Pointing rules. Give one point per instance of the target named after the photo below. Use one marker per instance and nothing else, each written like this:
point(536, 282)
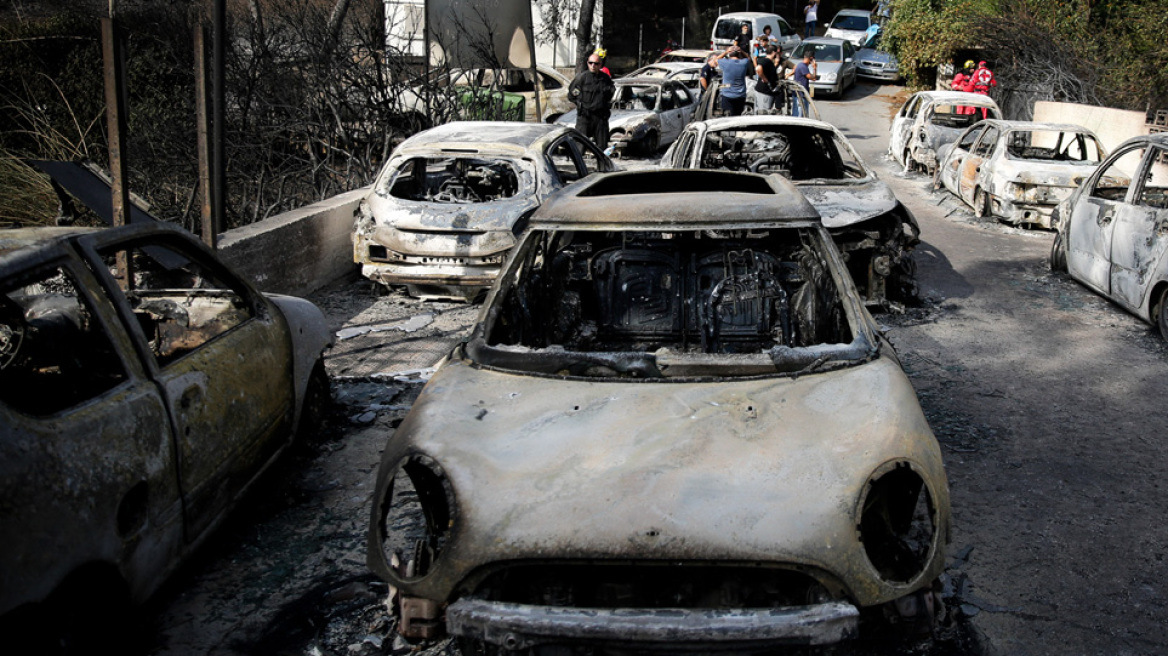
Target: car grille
point(652, 585)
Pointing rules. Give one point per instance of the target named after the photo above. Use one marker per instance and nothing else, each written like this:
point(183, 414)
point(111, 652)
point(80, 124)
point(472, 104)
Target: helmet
point(602, 53)
point(981, 64)
point(969, 63)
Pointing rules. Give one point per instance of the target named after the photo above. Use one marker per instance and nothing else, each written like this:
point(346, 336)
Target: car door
point(669, 113)
point(681, 153)
point(221, 354)
point(970, 174)
point(1141, 231)
point(948, 170)
point(686, 102)
point(848, 68)
point(86, 451)
point(902, 126)
point(1092, 228)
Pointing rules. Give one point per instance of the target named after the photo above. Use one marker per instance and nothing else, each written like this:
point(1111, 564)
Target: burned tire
point(650, 144)
point(981, 204)
point(1058, 255)
point(318, 400)
point(1162, 315)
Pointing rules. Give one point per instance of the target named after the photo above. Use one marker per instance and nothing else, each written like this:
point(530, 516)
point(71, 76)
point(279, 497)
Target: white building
point(405, 20)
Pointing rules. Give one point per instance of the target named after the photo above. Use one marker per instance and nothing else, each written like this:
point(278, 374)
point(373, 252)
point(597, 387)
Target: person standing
point(982, 80)
point(768, 80)
point(811, 18)
point(735, 67)
point(743, 39)
point(709, 72)
point(591, 91)
point(806, 71)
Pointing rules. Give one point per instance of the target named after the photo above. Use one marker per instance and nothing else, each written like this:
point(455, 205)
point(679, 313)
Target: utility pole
point(114, 79)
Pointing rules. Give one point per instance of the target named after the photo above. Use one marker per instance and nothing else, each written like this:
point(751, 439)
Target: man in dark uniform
point(592, 92)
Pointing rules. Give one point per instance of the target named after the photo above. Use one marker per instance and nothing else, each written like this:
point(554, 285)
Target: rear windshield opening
point(794, 152)
point(657, 182)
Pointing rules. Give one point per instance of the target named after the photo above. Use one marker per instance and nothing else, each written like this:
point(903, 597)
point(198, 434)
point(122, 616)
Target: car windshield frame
point(642, 365)
point(1085, 139)
point(389, 178)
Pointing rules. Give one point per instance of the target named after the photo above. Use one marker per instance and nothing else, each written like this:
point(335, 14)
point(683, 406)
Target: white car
point(873, 230)
point(442, 214)
point(1113, 230)
point(647, 114)
point(1018, 171)
point(931, 119)
point(850, 25)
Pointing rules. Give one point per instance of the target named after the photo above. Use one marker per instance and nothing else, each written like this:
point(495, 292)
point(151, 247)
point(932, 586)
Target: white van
point(729, 26)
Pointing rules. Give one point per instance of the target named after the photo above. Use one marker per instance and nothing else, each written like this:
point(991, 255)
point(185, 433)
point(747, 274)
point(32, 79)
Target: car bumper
point(521, 626)
point(1023, 213)
point(834, 88)
point(878, 74)
point(441, 275)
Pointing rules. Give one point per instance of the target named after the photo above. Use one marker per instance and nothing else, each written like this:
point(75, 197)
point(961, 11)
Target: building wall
point(296, 252)
point(1112, 126)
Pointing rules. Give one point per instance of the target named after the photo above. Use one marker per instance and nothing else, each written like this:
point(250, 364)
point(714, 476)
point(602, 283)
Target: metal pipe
point(218, 120)
point(203, 136)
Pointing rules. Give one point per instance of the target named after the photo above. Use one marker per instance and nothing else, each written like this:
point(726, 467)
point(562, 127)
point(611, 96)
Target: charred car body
point(873, 230)
point(1113, 230)
point(674, 425)
point(931, 119)
point(1018, 171)
point(441, 215)
point(134, 411)
point(647, 113)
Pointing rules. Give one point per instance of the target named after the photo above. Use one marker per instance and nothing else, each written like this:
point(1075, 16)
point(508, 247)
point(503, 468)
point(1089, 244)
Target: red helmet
point(981, 64)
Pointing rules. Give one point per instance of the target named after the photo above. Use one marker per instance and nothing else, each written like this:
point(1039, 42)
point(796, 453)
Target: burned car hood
point(426, 216)
point(552, 468)
point(844, 204)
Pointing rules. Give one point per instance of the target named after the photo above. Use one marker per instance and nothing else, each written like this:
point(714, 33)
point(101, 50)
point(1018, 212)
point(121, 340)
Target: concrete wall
point(1112, 126)
point(296, 252)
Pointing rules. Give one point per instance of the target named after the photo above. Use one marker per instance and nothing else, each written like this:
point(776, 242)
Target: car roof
point(853, 12)
point(732, 122)
point(1035, 125)
point(750, 14)
point(957, 96)
point(672, 66)
point(490, 135)
point(831, 40)
point(629, 81)
point(683, 199)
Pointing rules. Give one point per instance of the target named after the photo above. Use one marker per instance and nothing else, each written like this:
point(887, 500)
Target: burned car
point(1017, 171)
point(143, 388)
point(931, 119)
point(874, 231)
point(675, 426)
point(442, 213)
point(1113, 230)
point(791, 99)
point(647, 113)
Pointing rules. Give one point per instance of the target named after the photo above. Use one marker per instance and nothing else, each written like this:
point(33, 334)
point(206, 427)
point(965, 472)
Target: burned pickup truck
point(873, 230)
point(674, 426)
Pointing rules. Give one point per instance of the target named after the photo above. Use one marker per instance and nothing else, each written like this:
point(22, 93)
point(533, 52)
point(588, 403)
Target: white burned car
point(874, 231)
point(931, 119)
point(674, 425)
point(441, 215)
point(1018, 171)
point(1113, 230)
point(647, 113)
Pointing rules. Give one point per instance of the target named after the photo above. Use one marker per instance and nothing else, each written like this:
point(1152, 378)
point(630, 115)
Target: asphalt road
point(1049, 403)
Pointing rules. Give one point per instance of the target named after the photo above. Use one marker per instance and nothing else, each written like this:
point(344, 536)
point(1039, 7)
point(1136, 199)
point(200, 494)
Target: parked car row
point(1109, 213)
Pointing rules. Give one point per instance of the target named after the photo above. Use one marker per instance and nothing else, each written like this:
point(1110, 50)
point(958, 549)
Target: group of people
point(973, 80)
point(768, 66)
